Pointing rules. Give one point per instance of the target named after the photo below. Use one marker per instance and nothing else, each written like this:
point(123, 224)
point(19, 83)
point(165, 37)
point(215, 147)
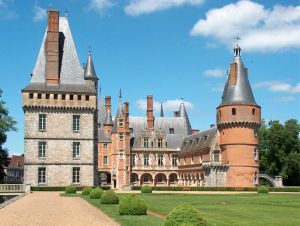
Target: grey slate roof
point(183, 113)
point(120, 114)
point(139, 124)
point(161, 114)
point(241, 93)
point(89, 70)
point(199, 140)
point(67, 88)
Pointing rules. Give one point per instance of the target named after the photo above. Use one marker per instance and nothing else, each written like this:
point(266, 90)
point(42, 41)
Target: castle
point(71, 136)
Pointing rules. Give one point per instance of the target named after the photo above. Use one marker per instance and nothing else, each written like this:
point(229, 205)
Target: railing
point(12, 188)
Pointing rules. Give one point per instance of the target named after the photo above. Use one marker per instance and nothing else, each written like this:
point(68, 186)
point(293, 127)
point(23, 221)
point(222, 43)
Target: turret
point(238, 120)
point(182, 113)
point(89, 70)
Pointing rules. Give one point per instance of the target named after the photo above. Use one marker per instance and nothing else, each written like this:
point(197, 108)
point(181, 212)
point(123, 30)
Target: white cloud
point(39, 13)
point(260, 29)
point(216, 72)
point(278, 86)
point(100, 6)
point(285, 99)
point(5, 12)
point(137, 7)
point(168, 106)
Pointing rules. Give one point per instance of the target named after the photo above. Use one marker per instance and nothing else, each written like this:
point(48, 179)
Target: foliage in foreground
point(146, 189)
point(71, 189)
point(109, 197)
point(86, 191)
point(132, 205)
point(263, 189)
point(184, 214)
point(96, 193)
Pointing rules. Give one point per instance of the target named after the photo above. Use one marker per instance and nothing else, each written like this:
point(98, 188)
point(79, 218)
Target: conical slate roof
point(120, 114)
point(101, 111)
point(241, 92)
point(183, 113)
point(108, 118)
point(89, 70)
point(161, 114)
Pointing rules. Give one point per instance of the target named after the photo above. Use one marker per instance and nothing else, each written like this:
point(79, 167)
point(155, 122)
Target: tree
point(279, 147)
point(7, 123)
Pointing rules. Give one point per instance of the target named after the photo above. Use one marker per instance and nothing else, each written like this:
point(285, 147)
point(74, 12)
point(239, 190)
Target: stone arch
point(134, 178)
point(267, 178)
point(146, 178)
point(160, 179)
point(173, 178)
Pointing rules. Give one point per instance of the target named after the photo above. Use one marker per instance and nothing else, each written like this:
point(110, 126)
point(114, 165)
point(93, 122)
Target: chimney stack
point(126, 115)
point(150, 118)
point(108, 103)
point(52, 48)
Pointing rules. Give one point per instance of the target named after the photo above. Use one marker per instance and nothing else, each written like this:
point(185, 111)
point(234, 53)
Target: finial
point(120, 94)
point(237, 48)
point(181, 99)
point(227, 73)
point(66, 12)
point(90, 49)
point(100, 90)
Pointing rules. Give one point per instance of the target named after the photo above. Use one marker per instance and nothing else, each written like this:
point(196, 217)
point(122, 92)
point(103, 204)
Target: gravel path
point(51, 209)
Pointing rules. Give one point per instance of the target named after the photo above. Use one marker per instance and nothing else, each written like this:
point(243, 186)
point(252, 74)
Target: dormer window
point(121, 122)
point(121, 136)
point(205, 137)
point(146, 142)
point(160, 142)
point(185, 143)
point(191, 141)
point(131, 130)
point(171, 130)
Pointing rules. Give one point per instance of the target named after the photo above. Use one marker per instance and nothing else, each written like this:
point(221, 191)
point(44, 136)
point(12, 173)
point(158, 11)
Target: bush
point(263, 189)
point(96, 193)
point(146, 189)
point(109, 197)
point(71, 189)
point(184, 215)
point(62, 188)
point(86, 191)
point(132, 205)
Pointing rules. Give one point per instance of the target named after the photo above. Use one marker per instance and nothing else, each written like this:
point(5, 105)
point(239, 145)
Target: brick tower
point(238, 120)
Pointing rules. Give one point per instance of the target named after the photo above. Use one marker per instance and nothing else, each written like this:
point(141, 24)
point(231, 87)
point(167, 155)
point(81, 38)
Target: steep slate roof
point(71, 72)
point(89, 70)
point(199, 140)
point(183, 113)
point(120, 114)
point(139, 124)
point(241, 92)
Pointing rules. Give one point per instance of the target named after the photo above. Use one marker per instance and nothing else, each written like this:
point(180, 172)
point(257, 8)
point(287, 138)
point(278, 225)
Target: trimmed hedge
point(86, 191)
point(164, 188)
point(132, 205)
point(109, 197)
point(96, 193)
point(263, 189)
point(146, 189)
point(184, 214)
point(71, 189)
point(62, 188)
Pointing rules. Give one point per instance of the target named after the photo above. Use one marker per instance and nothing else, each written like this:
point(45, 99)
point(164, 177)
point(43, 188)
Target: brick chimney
point(126, 115)
point(108, 103)
point(52, 48)
point(150, 118)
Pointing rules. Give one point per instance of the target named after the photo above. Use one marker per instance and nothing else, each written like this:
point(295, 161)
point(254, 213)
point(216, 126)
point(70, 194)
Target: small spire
point(66, 12)
point(100, 90)
point(120, 94)
point(161, 110)
point(237, 48)
point(89, 70)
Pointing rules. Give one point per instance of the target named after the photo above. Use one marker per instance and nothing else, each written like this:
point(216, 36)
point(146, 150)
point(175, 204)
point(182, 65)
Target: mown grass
point(237, 209)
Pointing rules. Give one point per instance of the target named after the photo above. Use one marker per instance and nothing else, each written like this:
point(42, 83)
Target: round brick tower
point(238, 120)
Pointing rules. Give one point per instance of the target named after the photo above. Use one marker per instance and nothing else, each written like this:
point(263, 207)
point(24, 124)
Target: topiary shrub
point(132, 205)
point(86, 191)
point(109, 197)
point(184, 214)
point(146, 189)
point(96, 193)
point(263, 189)
point(71, 189)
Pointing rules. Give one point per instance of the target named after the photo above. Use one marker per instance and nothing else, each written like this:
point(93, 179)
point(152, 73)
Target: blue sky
point(171, 49)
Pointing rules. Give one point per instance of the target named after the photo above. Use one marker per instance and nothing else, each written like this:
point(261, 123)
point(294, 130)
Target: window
point(87, 98)
point(79, 97)
point(121, 154)
point(76, 123)
point(159, 178)
point(133, 160)
point(255, 178)
point(171, 130)
point(105, 160)
point(160, 160)
point(42, 149)
point(146, 178)
point(191, 141)
point(76, 149)
point(146, 142)
point(42, 122)
point(41, 175)
point(47, 96)
point(220, 113)
point(121, 122)
point(105, 145)
point(174, 160)
point(39, 96)
point(205, 137)
point(71, 97)
point(173, 178)
point(121, 136)
point(131, 130)
point(253, 111)
point(146, 160)
point(63, 96)
point(255, 154)
point(160, 142)
point(30, 95)
point(55, 96)
point(76, 175)
point(233, 111)
point(216, 156)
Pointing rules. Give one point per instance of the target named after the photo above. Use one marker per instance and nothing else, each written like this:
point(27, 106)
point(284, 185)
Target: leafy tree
point(7, 123)
point(279, 147)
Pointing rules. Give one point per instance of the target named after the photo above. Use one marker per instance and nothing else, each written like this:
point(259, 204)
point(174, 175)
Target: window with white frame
point(105, 160)
point(121, 136)
point(133, 159)
point(76, 149)
point(174, 160)
point(76, 175)
point(255, 154)
point(42, 149)
point(121, 154)
point(121, 122)
point(216, 156)
point(160, 160)
point(105, 146)
point(42, 175)
point(146, 142)
point(42, 122)
point(76, 123)
point(159, 142)
point(146, 160)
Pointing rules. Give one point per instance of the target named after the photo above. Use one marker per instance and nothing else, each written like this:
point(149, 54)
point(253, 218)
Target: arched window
point(253, 111)
point(233, 111)
point(220, 113)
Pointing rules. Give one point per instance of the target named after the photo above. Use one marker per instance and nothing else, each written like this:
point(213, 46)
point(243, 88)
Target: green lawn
point(239, 209)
